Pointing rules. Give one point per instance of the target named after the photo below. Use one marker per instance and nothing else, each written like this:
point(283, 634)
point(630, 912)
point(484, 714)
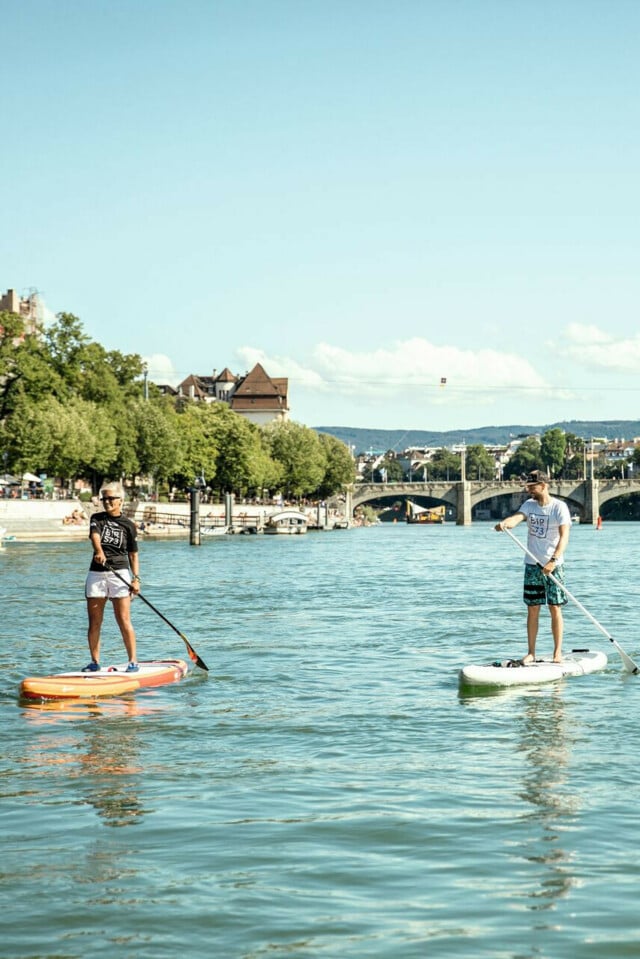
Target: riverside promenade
point(36, 520)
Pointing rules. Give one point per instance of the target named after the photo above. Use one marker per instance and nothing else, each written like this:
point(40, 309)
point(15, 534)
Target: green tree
point(86, 368)
point(552, 449)
point(26, 436)
point(71, 407)
point(480, 464)
point(66, 344)
point(445, 465)
point(25, 370)
point(239, 448)
point(388, 470)
point(198, 452)
point(84, 439)
point(158, 445)
point(527, 457)
point(340, 469)
point(267, 474)
point(126, 460)
point(298, 449)
point(574, 463)
point(67, 440)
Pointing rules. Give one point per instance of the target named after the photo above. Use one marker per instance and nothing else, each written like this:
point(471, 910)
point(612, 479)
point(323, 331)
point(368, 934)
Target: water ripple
point(326, 790)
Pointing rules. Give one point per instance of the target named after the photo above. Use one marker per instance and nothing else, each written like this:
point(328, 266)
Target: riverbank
point(33, 520)
point(63, 520)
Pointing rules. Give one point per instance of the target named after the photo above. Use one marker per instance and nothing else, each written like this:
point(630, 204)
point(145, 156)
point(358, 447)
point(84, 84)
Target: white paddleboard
point(578, 662)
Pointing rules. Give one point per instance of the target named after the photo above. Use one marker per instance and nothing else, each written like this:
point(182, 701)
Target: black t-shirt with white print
point(118, 538)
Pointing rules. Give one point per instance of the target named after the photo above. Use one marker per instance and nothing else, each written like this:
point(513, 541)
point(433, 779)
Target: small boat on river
point(288, 522)
point(424, 515)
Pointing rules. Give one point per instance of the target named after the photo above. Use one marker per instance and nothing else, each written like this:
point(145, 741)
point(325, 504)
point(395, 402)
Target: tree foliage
point(71, 408)
point(158, 443)
point(340, 467)
point(574, 459)
point(552, 449)
point(444, 465)
point(25, 370)
point(388, 470)
point(302, 457)
point(198, 450)
point(479, 464)
point(238, 442)
point(527, 457)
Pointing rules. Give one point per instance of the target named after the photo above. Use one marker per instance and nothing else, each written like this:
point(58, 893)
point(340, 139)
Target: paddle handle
point(629, 664)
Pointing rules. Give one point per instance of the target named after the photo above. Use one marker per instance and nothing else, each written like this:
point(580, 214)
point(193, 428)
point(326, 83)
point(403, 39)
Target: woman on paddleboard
point(548, 521)
point(115, 547)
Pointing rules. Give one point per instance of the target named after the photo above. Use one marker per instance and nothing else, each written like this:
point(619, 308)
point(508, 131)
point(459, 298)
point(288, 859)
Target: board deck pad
point(108, 681)
point(579, 662)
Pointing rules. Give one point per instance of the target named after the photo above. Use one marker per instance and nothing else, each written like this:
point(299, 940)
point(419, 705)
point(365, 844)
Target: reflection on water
point(110, 766)
point(543, 737)
point(546, 740)
point(100, 752)
point(330, 794)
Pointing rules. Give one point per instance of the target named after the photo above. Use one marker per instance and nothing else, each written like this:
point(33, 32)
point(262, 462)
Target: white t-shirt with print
point(543, 523)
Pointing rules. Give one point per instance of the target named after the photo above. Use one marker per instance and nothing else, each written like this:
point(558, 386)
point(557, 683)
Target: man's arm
point(509, 522)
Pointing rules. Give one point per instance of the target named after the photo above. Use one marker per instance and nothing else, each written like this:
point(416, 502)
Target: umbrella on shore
point(8, 480)
point(31, 478)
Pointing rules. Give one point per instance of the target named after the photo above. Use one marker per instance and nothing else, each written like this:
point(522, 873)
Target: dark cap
point(536, 476)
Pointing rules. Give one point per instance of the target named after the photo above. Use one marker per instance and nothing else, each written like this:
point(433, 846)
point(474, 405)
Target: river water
point(326, 791)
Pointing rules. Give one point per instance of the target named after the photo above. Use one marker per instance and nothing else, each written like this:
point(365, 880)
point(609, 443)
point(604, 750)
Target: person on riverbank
point(115, 547)
point(548, 522)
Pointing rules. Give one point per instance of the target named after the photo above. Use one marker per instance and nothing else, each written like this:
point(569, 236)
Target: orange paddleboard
point(108, 681)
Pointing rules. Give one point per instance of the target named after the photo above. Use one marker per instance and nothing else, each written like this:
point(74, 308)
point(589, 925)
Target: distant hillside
point(398, 440)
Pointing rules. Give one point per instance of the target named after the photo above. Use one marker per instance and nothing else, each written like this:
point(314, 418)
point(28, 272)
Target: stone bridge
point(583, 497)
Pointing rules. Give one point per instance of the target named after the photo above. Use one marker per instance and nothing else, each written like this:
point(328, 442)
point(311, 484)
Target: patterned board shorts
point(540, 589)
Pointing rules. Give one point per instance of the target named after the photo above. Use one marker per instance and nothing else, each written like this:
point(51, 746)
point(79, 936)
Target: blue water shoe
point(132, 668)
point(91, 667)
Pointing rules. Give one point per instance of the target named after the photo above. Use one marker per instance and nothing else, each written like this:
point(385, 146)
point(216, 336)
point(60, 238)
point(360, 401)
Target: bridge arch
point(444, 492)
point(583, 497)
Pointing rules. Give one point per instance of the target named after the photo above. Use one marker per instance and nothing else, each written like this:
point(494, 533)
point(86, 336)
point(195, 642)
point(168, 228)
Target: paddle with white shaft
point(628, 663)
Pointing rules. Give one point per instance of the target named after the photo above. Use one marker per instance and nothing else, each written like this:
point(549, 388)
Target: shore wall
point(36, 519)
point(33, 520)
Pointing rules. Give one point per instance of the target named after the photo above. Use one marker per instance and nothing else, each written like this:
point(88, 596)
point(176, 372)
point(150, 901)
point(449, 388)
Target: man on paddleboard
point(548, 522)
point(115, 547)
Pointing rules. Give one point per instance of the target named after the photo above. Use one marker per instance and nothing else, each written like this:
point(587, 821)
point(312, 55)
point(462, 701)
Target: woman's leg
point(95, 612)
point(122, 612)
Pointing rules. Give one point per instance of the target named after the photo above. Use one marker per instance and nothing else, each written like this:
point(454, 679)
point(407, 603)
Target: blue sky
point(366, 197)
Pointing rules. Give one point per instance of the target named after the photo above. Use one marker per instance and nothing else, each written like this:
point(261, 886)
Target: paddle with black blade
point(192, 653)
point(628, 663)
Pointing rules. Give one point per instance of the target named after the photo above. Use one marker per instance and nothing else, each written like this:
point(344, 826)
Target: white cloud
point(161, 369)
point(412, 368)
point(282, 366)
point(596, 349)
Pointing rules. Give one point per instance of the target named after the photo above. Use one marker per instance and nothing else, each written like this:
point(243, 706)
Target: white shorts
point(107, 585)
